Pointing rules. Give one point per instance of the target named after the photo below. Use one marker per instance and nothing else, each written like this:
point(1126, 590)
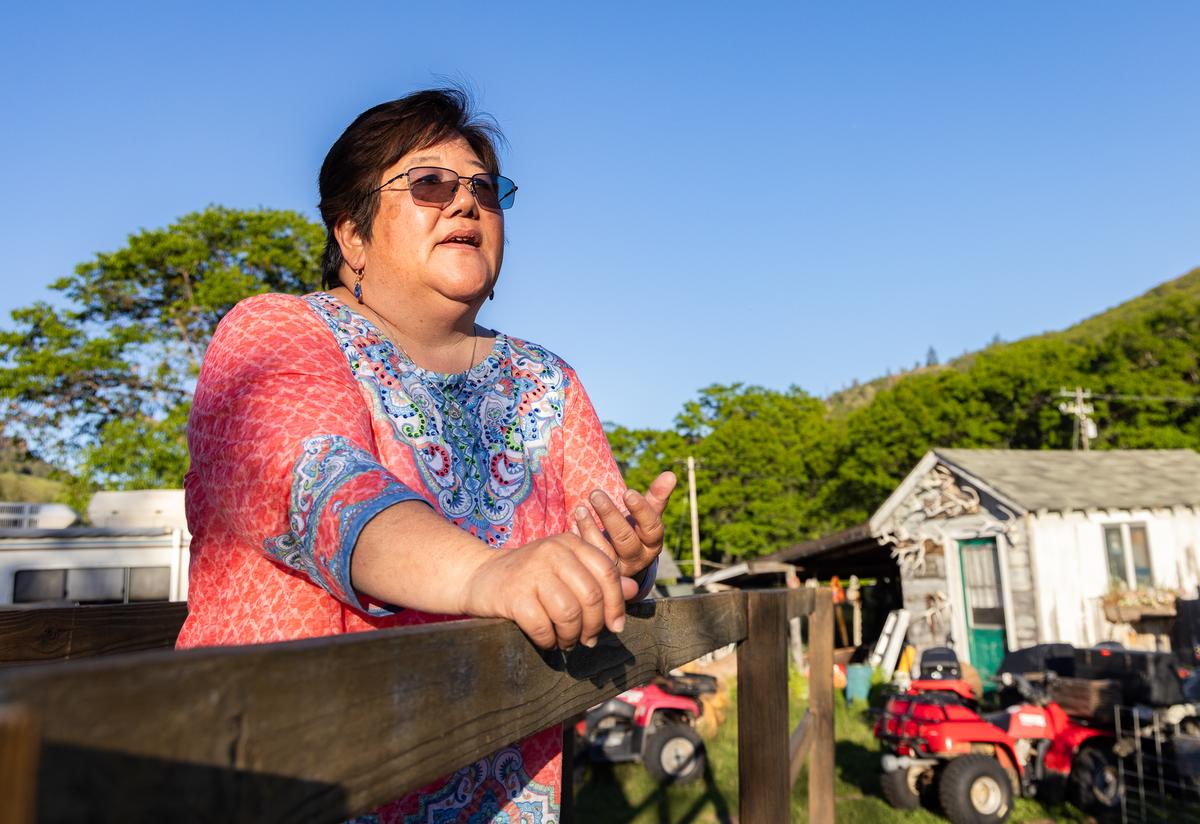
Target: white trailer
point(136, 552)
point(92, 565)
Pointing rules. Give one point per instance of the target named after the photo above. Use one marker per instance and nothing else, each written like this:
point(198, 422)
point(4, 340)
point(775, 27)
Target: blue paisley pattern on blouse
point(477, 437)
point(478, 793)
point(326, 463)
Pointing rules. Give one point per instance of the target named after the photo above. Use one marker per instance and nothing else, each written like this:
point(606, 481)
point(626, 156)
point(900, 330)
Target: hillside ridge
point(1185, 287)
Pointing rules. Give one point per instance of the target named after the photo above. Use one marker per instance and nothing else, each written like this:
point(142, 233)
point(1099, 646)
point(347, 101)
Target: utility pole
point(691, 467)
point(1085, 427)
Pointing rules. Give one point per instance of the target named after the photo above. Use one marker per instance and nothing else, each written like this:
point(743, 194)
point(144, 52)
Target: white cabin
point(999, 549)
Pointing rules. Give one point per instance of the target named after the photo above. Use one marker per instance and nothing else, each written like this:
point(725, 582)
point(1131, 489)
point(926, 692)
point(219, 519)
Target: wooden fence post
point(566, 793)
point(820, 705)
point(763, 756)
point(19, 746)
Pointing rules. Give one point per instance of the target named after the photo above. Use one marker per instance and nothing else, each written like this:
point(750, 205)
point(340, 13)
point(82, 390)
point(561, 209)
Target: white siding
point(1073, 568)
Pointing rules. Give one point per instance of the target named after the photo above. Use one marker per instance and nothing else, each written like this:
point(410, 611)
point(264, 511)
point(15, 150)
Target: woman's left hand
point(637, 539)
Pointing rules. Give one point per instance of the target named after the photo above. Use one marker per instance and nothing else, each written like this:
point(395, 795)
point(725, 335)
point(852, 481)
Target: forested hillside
point(778, 467)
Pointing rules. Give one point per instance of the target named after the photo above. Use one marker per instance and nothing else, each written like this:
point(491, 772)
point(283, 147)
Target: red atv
point(937, 738)
point(654, 724)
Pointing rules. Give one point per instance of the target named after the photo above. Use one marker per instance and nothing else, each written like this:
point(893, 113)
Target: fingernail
point(588, 642)
point(581, 512)
point(619, 624)
point(630, 496)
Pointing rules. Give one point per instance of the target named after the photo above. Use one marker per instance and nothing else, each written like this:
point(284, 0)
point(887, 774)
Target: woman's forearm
point(561, 590)
point(410, 556)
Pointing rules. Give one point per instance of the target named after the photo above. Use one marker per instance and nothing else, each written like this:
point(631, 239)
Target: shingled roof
point(1103, 479)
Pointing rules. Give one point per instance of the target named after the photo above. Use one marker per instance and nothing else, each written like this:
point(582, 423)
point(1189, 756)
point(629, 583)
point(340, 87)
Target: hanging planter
point(1129, 607)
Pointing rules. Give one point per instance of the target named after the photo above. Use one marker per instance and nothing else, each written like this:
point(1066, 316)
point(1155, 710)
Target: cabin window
point(92, 585)
point(1128, 554)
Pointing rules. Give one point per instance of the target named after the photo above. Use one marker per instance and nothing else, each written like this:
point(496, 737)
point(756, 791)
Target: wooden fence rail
point(328, 728)
point(32, 636)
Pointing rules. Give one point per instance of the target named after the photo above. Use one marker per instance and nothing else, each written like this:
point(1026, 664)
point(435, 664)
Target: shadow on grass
point(858, 766)
point(602, 798)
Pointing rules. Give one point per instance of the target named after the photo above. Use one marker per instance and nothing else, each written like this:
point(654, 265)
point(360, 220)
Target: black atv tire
point(899, 788)
point(674, 754)
point(1094, 781)
point(975, 789)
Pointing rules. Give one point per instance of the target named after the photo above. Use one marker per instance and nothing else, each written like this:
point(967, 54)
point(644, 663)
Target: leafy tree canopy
point(101, 380)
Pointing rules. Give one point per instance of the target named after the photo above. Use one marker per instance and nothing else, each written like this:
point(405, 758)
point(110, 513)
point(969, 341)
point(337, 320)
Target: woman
point(359, 455)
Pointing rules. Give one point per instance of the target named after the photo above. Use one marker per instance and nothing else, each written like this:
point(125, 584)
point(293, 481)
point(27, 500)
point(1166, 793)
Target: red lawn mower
point(937, 742)
point(654, 724)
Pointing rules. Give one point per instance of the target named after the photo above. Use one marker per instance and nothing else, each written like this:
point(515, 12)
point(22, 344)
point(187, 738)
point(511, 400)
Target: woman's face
point(426, 252)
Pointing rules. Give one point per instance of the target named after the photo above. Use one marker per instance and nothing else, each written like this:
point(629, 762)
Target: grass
point(626, 793)
point(28, 488)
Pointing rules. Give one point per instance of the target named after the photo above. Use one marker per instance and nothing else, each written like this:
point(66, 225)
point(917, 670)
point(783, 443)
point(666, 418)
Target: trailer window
point(92, 585)
point(149, 584)
point(96, 586)
point(33, 585)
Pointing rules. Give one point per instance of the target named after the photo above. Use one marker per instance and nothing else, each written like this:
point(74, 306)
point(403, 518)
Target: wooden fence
point(324, 729)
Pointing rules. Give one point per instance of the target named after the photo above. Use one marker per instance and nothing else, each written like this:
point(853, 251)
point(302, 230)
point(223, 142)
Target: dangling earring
point(492, 296)
point(358, 282)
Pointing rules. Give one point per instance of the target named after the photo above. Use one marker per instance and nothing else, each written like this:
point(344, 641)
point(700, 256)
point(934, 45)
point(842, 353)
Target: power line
point(1151, 398)
point(1079, 407)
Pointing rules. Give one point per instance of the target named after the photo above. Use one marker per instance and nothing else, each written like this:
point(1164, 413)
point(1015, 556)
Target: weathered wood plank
point(55, 634)
point(820, 704)
point(798, 745)
point(18, 764)
point(323, 729)
point(763, 787)
point(800, 602)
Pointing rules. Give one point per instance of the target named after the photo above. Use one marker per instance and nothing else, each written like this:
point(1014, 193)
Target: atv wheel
point(675, 754)
point(1094, 781)
point(975, 789)
point(901, 788)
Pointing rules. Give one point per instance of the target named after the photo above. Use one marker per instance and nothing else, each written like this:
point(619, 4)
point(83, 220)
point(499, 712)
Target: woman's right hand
point(559, 590)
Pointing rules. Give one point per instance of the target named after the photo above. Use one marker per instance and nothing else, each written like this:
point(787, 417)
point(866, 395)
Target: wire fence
point(1158, 765)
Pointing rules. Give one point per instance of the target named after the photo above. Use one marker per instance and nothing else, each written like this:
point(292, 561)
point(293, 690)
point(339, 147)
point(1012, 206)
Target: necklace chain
point(396, 340)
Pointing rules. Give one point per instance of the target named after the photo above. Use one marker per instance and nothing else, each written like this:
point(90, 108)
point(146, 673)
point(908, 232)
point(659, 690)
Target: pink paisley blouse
point(306, 423)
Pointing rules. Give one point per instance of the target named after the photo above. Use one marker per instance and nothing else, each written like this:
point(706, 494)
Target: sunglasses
point(435, 186)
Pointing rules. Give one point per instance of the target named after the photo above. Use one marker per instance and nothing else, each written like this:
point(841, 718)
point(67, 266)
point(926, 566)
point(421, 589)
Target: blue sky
point(790, 193)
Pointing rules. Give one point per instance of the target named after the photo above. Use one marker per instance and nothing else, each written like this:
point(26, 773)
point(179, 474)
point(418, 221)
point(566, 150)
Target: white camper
point(135, 551)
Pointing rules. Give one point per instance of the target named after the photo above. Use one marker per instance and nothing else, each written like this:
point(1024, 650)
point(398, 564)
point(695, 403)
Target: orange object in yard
point(839, 592)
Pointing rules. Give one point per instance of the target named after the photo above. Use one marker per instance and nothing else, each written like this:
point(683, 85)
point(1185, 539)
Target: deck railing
point(328, 728)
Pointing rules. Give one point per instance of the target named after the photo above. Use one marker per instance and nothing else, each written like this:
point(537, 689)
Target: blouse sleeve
point(588, 463)
point(282, 448)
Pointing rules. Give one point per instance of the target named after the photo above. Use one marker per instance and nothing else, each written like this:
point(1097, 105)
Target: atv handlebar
point(1026, 689)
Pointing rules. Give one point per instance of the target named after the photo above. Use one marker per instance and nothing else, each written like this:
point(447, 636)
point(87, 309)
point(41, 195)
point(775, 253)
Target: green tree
point(761, 458)
point(101, 381)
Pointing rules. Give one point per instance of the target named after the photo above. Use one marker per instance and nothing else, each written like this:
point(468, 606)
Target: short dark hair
point(378, 138)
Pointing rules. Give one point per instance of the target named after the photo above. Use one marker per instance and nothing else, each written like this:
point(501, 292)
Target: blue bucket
point(858, 682)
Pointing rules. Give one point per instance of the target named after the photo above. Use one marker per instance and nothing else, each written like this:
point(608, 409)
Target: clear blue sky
point(773, 193)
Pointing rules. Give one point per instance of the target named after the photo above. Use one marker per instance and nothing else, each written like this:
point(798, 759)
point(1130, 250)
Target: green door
point(980, 568)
